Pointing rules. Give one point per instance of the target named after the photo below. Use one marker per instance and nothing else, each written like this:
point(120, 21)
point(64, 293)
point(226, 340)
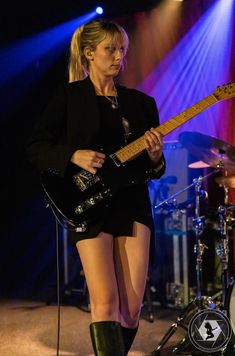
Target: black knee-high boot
point(107, 338)
point(128, 336)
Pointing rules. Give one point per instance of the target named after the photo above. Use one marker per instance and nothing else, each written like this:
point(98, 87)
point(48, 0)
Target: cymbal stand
point(198, 226)
point(172, 197)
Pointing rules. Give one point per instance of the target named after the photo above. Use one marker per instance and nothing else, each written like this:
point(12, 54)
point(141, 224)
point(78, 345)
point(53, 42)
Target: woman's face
point(107, 58)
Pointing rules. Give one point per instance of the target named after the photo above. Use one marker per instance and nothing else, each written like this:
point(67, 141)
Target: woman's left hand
point(154, 144)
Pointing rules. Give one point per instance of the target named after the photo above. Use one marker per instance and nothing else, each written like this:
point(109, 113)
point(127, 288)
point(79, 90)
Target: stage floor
point(29, 328)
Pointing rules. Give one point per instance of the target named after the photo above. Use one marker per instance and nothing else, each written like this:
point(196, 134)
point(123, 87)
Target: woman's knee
point(105, 310)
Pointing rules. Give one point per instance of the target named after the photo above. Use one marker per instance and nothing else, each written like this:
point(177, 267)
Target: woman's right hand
point(88, 160)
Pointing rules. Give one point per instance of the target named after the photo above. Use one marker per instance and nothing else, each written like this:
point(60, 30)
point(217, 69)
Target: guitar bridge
point(85, 180)
point(88, 203)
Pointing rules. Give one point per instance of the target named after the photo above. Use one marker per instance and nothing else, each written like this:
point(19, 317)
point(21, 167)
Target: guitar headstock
point(225, 91)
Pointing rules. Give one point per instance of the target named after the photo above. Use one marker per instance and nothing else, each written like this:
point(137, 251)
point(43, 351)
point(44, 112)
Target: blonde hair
point(89, 36)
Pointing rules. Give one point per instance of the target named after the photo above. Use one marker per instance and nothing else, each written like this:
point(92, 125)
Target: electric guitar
point(80, 196)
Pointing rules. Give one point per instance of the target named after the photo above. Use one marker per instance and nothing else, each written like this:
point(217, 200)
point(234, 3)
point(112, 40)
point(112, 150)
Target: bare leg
point(131, 263)
point(97, 259)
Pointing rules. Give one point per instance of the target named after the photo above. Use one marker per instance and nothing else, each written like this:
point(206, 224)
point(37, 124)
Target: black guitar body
point(80, 196)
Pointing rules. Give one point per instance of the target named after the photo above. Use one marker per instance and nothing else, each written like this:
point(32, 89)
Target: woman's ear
point(88, 54)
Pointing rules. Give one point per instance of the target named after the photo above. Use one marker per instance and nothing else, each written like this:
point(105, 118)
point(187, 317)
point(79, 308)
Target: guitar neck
point(134, 148)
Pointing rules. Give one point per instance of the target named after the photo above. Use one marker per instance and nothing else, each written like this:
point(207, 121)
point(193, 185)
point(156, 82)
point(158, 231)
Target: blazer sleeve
point(47, 148)
point(155, 171)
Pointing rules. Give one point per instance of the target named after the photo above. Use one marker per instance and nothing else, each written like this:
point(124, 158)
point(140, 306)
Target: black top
point(112, 134)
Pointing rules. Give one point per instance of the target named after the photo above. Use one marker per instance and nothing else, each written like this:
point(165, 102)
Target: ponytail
point(77, 61)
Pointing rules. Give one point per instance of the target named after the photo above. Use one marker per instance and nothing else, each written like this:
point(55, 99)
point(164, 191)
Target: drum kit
point(219, 157)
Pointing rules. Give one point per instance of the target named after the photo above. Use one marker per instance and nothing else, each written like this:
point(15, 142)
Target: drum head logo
point(209, 331)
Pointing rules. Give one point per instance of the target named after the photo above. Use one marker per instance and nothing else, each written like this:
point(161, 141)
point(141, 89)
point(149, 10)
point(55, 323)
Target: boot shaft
point(107, 338)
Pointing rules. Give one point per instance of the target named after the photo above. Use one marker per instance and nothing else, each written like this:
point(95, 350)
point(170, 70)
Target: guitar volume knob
point(92, 201)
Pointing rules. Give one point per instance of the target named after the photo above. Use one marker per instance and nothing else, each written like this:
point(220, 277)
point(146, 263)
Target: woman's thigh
point(131, 263)
point(96, 255)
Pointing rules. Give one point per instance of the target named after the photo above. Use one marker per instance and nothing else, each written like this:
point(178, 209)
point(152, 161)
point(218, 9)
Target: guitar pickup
point(85, 180)
point(88, 203)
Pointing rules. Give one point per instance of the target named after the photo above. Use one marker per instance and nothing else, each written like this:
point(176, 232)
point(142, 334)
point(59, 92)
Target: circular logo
point(209, 330)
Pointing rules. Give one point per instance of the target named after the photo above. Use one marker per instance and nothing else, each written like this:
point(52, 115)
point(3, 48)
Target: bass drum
point(230, 305)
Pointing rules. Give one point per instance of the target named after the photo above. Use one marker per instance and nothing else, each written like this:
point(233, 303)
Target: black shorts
point(130, 204)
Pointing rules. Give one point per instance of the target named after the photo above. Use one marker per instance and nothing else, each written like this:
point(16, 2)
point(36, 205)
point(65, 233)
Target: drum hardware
point(200, 193)
point(200, 301)
point(198, 227)
point(225, 224)
point(217, 154)
point(214, 152)
point(222, 248)
point(226, 181)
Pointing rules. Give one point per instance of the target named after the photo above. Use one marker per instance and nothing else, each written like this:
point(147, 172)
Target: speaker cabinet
point(170, 255)
point(175, 180)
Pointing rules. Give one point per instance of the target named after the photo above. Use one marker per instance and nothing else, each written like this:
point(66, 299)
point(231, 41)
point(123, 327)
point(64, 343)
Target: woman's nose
point(118, 54)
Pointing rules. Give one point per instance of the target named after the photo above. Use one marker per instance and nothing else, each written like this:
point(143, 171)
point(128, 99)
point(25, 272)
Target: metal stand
point(198, 227)
point(148, 301)
point(222, 249)
point(199, 301)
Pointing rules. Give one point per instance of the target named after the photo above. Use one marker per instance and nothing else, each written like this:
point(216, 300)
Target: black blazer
point(71, 121)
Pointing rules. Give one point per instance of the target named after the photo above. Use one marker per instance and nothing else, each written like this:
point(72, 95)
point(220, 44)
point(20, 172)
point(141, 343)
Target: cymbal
point(210, 150)
point(228, 182)
point(198, 164)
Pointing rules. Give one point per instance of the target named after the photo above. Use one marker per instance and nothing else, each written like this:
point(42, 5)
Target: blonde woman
point(87, 119)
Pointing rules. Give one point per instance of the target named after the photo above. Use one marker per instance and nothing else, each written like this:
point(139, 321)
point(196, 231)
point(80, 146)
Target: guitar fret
point(178, 120)
point(136, 147)
point(131, 150)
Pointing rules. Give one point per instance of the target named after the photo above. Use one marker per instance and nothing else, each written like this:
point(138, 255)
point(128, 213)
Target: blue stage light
point(35, 55)
point(99, 10)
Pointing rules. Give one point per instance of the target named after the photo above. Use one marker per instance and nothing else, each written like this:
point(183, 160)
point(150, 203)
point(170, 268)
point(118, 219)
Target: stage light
point(35, 55)
point(196, 65)
point(99, 10)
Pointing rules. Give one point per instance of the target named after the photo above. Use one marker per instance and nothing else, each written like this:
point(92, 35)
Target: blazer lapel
point(85, 113)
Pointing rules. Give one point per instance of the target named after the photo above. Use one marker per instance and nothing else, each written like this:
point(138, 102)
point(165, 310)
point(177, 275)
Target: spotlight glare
point(99, 10)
